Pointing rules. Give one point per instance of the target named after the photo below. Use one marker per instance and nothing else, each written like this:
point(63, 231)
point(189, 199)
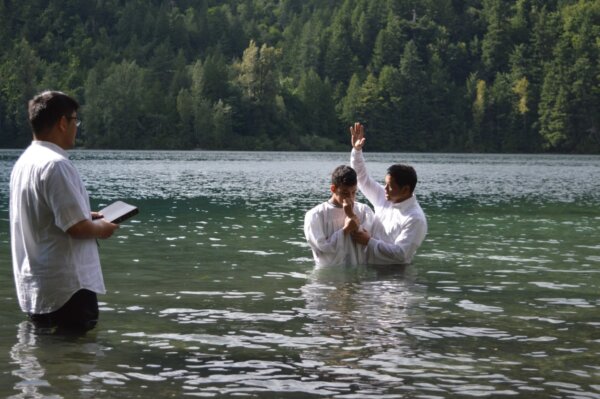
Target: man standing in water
point(53, 231)
point(400, 224)
point(328, 226)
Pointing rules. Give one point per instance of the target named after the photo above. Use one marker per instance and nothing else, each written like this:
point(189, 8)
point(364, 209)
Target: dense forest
point(422, 75)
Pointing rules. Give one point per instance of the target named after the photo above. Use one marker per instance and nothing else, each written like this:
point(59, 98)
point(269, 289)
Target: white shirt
point(323, 228)
point(47, 197)
point(398, 229)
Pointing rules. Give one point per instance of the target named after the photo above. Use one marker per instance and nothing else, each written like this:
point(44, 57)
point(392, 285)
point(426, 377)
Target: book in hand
point(118, 212)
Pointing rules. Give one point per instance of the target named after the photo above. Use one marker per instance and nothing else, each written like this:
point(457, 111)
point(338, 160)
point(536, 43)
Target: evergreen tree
point(413, 96)
point(339, 60)
point(318, 116)
point(21, 70)
point(495, 45)
point(115, 114)
point(388, 41)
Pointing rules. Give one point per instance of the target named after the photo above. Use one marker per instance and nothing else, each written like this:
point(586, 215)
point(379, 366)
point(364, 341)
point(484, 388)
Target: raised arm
point(374, 192)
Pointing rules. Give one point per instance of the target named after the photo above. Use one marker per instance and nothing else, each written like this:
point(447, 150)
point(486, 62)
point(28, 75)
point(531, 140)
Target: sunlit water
point(212, 291)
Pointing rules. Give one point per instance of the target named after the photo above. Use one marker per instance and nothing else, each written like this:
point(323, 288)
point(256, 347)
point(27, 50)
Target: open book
point(118, 211)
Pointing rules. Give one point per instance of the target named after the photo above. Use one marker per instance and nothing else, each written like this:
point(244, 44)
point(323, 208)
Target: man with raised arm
point(400, 224)
point(53, 231)
point(328, 226)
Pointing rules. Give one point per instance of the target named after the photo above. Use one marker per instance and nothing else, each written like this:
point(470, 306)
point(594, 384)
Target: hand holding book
point(118, 212)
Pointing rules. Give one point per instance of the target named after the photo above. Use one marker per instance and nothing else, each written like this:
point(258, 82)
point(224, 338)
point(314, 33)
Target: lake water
point(212, 291)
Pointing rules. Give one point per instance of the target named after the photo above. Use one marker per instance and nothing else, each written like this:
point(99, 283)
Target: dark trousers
point(79, 314)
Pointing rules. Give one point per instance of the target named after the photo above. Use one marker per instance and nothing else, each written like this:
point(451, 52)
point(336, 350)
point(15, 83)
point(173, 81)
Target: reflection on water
point(363, 312)
point(34, 357)
point(213, 293)
point(362, 305)
point(29, 369)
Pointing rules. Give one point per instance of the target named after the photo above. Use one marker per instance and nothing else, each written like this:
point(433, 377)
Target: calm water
point(212, 291)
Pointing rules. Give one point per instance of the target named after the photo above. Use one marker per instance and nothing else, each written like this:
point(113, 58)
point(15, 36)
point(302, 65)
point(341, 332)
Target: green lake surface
point(212, 290)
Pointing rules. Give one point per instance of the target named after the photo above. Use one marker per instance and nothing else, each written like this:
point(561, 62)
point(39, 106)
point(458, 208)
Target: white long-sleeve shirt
point(398, 228)
point(323, 229)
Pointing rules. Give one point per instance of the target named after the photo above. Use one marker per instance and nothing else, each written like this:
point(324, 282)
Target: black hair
point(46, 108)
point(403, 175)
point(344, 175)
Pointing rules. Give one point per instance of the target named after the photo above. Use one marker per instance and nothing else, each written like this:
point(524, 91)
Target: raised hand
point(357, 132)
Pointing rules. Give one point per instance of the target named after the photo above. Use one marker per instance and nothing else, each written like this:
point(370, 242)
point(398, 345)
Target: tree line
point(422, 75)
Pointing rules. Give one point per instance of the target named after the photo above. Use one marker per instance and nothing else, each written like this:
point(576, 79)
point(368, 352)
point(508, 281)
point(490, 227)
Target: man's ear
point(332, 188)
point(405, 191)
point(63, 123)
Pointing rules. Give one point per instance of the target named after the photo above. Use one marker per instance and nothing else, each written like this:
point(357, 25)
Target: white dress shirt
point(47, 197)
point(398, 229)
point(323, 229)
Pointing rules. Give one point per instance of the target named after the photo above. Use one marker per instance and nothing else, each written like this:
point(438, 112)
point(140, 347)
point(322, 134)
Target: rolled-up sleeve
point(64, 196)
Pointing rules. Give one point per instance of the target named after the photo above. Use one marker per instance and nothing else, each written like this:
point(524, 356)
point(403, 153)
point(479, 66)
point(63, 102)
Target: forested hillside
point(423, 75)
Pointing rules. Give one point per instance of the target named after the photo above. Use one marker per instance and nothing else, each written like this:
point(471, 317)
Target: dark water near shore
point(212, 291)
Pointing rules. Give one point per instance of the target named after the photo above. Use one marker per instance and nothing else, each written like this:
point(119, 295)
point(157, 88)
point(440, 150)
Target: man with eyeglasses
point(53, 230)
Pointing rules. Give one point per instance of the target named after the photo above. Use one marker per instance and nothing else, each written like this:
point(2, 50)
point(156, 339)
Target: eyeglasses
point(77, 121)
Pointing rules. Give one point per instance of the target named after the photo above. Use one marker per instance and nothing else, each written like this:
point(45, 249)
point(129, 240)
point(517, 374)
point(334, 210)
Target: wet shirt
point(398, 229)
point(323, 230)
point(47, 197)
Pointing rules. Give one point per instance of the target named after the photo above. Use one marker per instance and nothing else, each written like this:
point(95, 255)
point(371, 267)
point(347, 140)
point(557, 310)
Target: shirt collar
point(51, 146)
point(406, 203)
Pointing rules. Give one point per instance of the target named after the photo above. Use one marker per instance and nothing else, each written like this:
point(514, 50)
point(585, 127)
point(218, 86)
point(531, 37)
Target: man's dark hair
point(403, 175)
point(343, 175)
point(45, 109)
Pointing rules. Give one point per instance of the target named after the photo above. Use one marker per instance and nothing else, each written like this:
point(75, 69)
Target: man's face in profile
point(394, 192)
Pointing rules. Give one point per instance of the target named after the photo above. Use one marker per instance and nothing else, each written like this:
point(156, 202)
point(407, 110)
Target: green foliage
point(116, 107)
point(431, 75)
point(318, 108)
point(569, 104)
